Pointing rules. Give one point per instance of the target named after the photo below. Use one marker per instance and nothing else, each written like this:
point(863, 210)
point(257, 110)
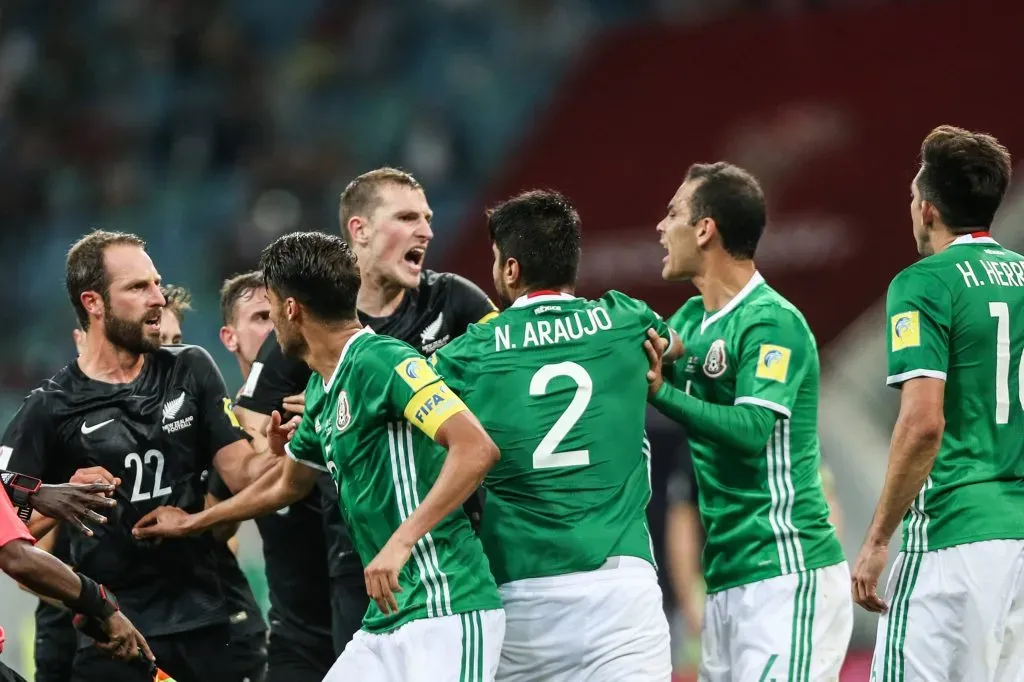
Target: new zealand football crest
point(714, 361)
point(344, 413)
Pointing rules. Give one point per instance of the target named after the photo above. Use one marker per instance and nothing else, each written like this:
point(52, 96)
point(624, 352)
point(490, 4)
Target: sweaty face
point(498, 273)
point(133, 304)
point(399, 232)
point(170, 328)
point(917, 220)
point(289, 338)
point(679, 237)
point(252, 323)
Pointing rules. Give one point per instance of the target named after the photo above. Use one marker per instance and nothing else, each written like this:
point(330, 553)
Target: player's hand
point(381, 575)
point(279, 434)
point(163, 522)
point(95, 475)
point(655, 347)
point(296, 404)
point(866, 572)
point(124, 642)
point(73, 503)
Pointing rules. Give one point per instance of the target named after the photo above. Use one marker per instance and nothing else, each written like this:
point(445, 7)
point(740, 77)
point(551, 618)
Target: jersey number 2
point(1001, 312)
point(545, 457)
point(134, 461)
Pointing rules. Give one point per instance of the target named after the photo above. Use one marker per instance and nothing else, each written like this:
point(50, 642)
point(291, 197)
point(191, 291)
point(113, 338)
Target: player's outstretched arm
point(912, 451)
point(285, 483)
point(471, 454)
point(742, 427)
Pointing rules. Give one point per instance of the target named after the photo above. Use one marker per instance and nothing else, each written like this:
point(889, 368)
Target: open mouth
point(414, 256)
point(152, 324)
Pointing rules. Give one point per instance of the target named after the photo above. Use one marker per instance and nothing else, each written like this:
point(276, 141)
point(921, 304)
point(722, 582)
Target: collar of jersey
point(524, 301)
point(344, 351)
point(755, 280)
point(971, 239)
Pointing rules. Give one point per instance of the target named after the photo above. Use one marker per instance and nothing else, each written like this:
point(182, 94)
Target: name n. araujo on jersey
point(570, 327)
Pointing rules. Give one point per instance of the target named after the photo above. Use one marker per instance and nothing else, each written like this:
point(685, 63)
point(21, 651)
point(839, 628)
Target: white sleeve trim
point(312, 465)
point(895, 379)
point(774, 407)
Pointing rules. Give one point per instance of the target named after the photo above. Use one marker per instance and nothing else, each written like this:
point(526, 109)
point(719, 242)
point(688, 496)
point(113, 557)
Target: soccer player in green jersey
point(558, 382)
point(380, 421)
point(746, 389)
point(954, 605)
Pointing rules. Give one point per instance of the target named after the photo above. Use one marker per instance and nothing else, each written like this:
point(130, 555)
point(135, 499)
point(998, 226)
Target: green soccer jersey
point(559, 384)
point(959, 316)
point(372, 426)
point(764, 513)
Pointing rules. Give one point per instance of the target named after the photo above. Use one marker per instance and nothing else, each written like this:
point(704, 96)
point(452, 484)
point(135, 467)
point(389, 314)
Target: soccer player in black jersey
point(385, 217)
point(294, 548)
point(151, 420)
point(248, 642)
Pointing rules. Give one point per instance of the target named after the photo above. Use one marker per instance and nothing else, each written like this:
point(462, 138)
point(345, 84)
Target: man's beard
point(129, 335)
point(293, 346)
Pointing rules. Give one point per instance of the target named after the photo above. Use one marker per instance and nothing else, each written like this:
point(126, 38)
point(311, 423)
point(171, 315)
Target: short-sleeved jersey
point(765, 514)
point(371, 425)
point(959, 316)
point(559, 384)
point(158, 434)
point(428, 317)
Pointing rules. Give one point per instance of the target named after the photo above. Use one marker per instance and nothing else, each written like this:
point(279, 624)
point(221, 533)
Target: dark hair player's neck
point(721, 278)
point(102, 361)
point(325, 342)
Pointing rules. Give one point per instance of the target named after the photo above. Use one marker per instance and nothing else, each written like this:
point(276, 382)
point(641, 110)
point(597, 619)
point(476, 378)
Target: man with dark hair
point(778, 604)
point(385, 218)
point(404, 452)
point(300, 648)
point(954, 605)
point(156, 418)
point(558, 382)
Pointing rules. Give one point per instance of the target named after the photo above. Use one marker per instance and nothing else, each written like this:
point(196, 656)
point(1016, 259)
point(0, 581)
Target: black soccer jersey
point(158, 434)
point(441, 308)
point(293, 556)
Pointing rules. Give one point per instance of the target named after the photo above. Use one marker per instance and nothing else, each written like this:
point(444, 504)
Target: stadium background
point(211, 126)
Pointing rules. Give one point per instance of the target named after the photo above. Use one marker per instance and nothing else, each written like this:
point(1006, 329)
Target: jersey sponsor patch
point(714, 362)
point(432, 406)
point(773, 363)
point(416, 373)
point(906, 330)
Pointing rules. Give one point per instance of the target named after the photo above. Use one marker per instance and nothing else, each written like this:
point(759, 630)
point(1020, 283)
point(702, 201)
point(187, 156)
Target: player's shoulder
point(195, 358)
point(616, 299)
point(370, 351)
point(921, 273)
point(767, 305)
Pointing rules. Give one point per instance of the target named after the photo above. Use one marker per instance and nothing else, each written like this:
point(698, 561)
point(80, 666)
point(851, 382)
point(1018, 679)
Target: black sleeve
point(468, 304)
point(217, 487)
point(273, 377)
point(27, 443)
point(219, 425)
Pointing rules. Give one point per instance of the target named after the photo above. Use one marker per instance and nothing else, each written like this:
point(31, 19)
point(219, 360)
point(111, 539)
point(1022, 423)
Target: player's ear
point(92, 301)
point(929, 214)
point(228, 338)
point(511, 272)
point(292, 309)
point(705, 230)
point(358, 230)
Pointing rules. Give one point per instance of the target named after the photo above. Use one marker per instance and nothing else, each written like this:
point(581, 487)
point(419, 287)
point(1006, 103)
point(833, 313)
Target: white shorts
point(954, 614)
point(606, 625)
point(459, 648)
point(794, 627)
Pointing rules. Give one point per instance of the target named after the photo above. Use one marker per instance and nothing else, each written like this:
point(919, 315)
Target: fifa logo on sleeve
point(773, 363)
point(416, 373)
point(906, 330)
